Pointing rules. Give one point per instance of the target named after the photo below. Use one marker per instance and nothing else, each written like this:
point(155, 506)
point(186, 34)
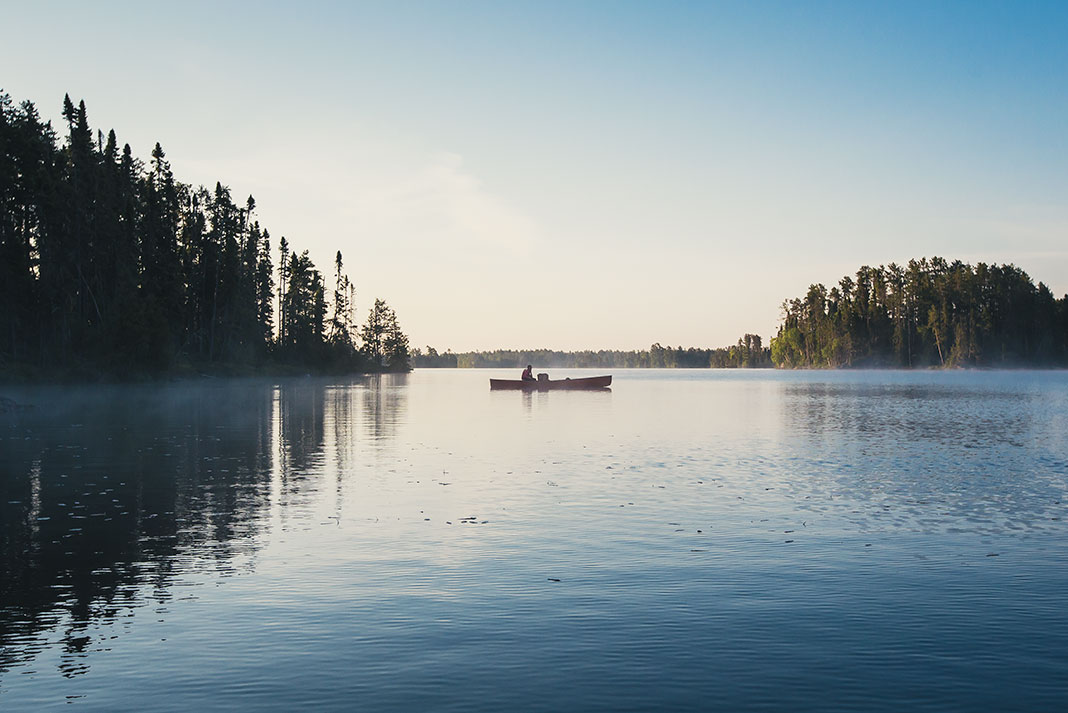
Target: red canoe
point(590, 382)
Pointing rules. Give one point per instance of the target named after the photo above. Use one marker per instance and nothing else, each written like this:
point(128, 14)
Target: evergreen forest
point(930, 312)
point(113, 267)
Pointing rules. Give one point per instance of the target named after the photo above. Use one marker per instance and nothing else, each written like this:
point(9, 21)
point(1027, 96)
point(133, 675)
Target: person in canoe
point(528, 374)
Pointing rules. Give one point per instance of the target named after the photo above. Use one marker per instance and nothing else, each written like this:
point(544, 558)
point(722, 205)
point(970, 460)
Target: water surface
point(719, 540)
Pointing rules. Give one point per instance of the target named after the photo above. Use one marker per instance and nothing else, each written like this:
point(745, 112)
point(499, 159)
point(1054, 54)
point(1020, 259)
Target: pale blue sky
point(590, 175)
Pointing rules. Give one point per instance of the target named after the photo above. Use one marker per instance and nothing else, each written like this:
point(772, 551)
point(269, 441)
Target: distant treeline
point(111, 266)
point(748, 352)
point(928, 313)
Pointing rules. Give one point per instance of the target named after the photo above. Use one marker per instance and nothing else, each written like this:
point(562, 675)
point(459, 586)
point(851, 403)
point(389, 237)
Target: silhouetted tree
point(110, 265)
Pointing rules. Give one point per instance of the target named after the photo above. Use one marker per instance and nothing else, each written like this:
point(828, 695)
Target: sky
point(588, 175)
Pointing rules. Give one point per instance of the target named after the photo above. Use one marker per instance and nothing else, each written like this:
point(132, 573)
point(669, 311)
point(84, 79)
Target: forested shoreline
point(929, 313)
point(113, 268)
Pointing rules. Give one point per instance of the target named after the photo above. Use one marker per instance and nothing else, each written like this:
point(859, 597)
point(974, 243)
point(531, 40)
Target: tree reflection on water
point(110, 495)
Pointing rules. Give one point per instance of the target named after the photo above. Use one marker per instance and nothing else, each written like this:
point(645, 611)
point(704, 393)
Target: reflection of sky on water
point(953, 417)
point(411, 524)
point(933, 457)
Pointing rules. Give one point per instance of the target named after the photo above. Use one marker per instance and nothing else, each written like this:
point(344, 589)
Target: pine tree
point(341, 320)
point(373, 333)
point(283, 285)
point(395, 344)
point(264, 292)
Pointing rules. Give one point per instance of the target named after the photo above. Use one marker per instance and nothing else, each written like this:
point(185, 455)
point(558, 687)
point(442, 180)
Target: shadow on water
point(110, 495)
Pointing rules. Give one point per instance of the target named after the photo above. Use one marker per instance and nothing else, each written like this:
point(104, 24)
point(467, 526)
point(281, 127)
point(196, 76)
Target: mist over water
point(731, 540)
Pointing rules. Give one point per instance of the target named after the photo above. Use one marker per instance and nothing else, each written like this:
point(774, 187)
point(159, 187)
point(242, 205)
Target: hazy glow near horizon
point(590, 175)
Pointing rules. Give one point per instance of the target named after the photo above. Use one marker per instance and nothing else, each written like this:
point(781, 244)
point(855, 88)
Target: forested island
point(111, 267)
point(927, 313)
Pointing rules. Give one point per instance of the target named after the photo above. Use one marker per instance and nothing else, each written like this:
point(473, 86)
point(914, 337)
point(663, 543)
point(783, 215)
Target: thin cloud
point(442, 201)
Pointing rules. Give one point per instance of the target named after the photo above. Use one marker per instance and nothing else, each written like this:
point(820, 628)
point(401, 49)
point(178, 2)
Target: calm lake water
point(690, 540)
